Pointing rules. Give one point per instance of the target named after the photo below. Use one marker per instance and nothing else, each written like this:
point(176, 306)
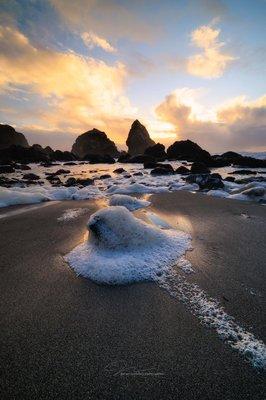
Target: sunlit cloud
point(213, 60)
point(92, 40)
point(237, 124)
point(79, 92)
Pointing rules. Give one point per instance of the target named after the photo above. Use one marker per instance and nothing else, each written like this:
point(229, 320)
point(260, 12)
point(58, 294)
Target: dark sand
point(64, 337)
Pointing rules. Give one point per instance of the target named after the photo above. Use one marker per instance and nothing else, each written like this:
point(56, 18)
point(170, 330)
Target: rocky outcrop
point(190, 151)
point(9, 136)
point(138, 139)
point(157, 151)
point(94, 142)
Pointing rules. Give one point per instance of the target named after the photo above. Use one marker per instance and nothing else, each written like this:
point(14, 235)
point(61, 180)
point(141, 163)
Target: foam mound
point(131, 203)
point(122, 249)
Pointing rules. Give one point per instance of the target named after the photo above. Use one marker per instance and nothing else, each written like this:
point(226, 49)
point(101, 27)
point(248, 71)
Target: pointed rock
point(138, 139)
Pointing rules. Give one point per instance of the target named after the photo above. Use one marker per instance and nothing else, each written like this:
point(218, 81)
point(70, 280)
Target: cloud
point(238, 124)
point(77, 93)
point(91, 40)
point(212, 61)
point(106, 17)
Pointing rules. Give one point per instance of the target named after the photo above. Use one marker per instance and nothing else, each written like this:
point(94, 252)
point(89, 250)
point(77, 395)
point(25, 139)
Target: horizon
point(185, 69)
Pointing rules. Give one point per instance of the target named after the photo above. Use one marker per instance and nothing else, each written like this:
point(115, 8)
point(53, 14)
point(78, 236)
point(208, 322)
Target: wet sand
point(64, 337)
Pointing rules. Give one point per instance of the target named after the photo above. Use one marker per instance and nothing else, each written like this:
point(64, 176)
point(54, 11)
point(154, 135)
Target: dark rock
point(99, 159)
point(199, 168)
point(9, 136)
point(163, 169)
point(23, 167)
point(236, 159)
point(71, 182)
point(61, 172)
point(206, 181)
point(190, 151)
point(250, 179)
point(119, 170)
point(243, 172)
point(150, 164)
point(54, 179)
point(6, 169)
point(22, 155)
point(47, 164)
point(157, 151)
point(105, 176)
point(127, 176)
point(139, 159)
point(138, 139)
point(31, 177)
point(85, 181)
point(59, 155)
point(138, 174)
point(70, 163)
point(230, 179)
point(182, 170)
point(94, 142)
point(124, 157)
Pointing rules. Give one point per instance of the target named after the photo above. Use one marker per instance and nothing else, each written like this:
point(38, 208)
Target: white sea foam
point(131, 203)
point(123, 249)
point(213, 315)
point(136, 188)
point(72, 213)
point(218, 193)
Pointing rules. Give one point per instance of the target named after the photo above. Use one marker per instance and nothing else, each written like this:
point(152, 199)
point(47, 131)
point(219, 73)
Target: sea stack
point(138, 139)
point(9, 136)
point(94, 142)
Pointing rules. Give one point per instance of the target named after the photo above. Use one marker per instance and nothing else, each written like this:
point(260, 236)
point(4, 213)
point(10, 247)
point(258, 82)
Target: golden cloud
point(79, 92)
point(92, 40)
point(212, 62)
point(238, 124)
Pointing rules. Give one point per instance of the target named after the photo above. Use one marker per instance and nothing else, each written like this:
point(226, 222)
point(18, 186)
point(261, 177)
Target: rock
point(61, 172)
point(6, 169)
point(54, 179)
point(94, 142)
point(23, 167)
point(230, 179)
point(105, 176)
point(150, 164)
point(59, 155)
point(124, 157)
point(23, 155)
point(119, 170)
point(71, 182)
point(138, 174)
point(47, 164)
point(99, 159)
point(254, 192)
point(189, 151)
point(31, 177)
point(199, 168)
point(182, 170)
point(141, 159)
point(206, 181)
point(9, 136)
point(236, 159)
point(243, 172)
point(85, 181)
point(250, 179)
point(157, 151)
point(70, 163)
point(163, 169)
point(138, 139)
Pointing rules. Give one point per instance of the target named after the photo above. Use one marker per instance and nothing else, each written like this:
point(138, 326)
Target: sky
point(187, 69)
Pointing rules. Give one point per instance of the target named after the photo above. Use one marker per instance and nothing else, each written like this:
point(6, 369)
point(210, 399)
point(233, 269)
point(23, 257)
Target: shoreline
point(97, 339)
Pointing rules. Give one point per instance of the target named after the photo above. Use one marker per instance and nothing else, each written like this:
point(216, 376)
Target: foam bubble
point(123, 249)
point(131, 203)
